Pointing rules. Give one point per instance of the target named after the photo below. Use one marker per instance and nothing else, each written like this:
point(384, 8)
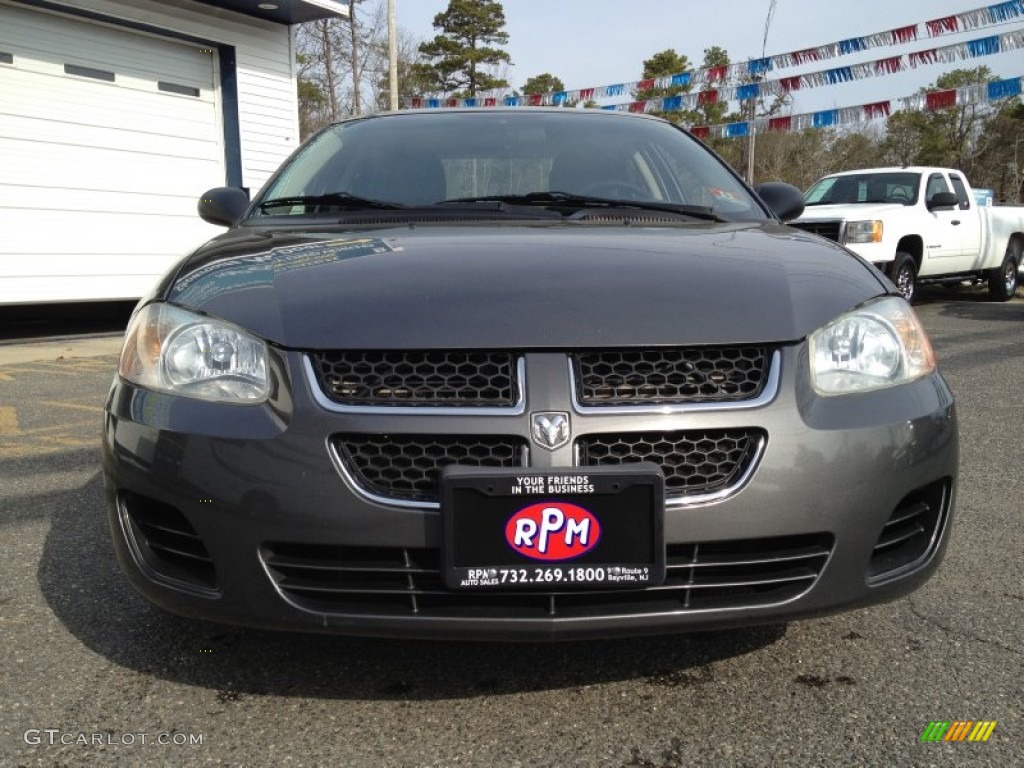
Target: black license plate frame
point(498, 524)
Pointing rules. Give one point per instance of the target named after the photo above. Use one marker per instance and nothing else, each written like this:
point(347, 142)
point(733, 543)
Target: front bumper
point(260, 528)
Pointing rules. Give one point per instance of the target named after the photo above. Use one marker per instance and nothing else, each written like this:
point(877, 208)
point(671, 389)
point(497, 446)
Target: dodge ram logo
point(550, 429)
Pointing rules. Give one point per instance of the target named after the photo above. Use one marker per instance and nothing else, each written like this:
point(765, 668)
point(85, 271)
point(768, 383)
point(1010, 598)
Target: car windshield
point(562, 161)
point(892, 187)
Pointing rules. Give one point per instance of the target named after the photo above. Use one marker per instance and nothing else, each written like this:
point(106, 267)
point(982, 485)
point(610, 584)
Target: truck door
point(969, 226)
point(943, 242)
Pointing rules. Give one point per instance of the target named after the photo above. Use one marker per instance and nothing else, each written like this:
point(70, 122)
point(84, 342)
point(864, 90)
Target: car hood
point(535, 286)
point(853, 211)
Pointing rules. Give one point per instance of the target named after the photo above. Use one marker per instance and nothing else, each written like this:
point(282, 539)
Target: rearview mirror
point(223, 206)
point(784, 200)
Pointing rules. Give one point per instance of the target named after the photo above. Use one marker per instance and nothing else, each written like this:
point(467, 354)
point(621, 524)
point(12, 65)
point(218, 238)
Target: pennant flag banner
point(988, 46)
point(920, 102)
point(972, 49)
point(985, 16)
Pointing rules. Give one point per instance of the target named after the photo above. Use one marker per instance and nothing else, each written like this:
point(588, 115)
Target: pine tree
point(462, 53)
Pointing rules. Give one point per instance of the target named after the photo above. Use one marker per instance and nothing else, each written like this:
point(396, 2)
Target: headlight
point(882, 344)
point(864, 231)
point(172, 350)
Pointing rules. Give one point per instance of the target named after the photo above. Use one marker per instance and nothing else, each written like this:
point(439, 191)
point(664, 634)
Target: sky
point(601, 42)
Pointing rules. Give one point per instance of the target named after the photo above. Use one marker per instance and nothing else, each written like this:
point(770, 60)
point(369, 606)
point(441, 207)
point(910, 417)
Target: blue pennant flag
point(1004, 89)
point(610, 107)
point(559, 98)
point(469, 102)
point(672, 103)
point(511, 101)
point(615, 90)
point(825, 118)
point(853, 45)
point(433, 103)
point(759, 66)
point(733, 130)
point(1006, 11)
point(839, 75)
point(683, 78)
point(986, 46)
point(748, 91)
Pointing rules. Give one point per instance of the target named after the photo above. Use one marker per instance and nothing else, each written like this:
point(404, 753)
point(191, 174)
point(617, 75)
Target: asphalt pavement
point(91, 674)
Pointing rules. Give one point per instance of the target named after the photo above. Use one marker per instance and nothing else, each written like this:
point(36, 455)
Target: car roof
point(567, 111)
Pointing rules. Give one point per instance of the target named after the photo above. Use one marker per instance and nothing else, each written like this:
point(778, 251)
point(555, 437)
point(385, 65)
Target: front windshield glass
point(421, 159)
point(891, 187)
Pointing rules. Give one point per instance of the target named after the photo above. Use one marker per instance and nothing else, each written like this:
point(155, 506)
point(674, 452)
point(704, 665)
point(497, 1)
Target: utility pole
point(753, 102)
point(392, 56)
point(752, 136)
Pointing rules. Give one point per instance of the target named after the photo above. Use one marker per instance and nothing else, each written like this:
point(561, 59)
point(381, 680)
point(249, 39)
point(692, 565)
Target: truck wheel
point(903, 273)
point(1002, 282)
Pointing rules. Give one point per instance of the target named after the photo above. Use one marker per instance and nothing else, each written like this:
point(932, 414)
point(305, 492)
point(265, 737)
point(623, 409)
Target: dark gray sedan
point(523, 374)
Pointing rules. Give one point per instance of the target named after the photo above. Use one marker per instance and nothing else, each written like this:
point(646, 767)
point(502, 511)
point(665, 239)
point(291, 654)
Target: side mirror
point(942, 200)
point(223, 206)
point(784, 200)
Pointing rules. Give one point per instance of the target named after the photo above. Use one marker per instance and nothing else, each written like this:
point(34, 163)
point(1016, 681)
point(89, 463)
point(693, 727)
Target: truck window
point(961, 192)
point(936, 183)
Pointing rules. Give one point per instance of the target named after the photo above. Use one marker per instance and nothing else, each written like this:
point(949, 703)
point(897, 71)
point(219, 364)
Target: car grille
point(407, 467)
point(831, 228)
point(426, 378)
point(404, 582)
point(909, 536)
point(670, 376)
point(696, 462)
point(167, 541)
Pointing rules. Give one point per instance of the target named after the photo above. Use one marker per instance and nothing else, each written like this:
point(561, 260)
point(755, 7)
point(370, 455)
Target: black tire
point(1002, 282)
point(903, 273)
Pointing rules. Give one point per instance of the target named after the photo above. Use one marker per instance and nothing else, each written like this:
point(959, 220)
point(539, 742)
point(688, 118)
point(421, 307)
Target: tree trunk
point(353, 31)
point(331, 78)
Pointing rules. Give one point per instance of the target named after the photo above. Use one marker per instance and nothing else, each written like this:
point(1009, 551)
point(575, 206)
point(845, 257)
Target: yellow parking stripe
point(63, 404)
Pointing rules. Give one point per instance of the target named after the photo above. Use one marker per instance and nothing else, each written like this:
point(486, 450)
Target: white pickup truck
point(919, 223)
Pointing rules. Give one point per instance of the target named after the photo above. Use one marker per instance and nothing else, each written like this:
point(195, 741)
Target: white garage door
point(107, 139)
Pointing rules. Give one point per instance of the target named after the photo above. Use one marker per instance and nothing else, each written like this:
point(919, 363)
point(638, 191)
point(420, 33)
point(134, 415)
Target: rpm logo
point(553, 531)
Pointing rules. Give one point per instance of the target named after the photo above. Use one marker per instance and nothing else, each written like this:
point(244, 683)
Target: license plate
point(555, 529)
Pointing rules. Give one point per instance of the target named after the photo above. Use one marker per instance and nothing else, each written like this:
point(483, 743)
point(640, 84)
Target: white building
point(115, 116)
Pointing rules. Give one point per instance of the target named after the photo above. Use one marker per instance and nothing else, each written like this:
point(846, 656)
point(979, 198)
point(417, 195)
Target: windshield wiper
point(330, 200)
point(558, 199)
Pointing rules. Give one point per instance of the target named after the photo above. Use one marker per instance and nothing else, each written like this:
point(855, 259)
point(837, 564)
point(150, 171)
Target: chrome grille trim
point(389, 501)
point(677, 500)
point(517, 409)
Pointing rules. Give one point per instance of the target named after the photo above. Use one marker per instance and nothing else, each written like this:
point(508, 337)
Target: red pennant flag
point(707, 97)
point(637, 106)
point(877, 109)
point(889, 66)
point(940, 99)
point(452, 103)
point(790, 83)
point(780, 124)
point(717, 73)
point(921, 58)
point(645, 85)
point(587, 94)
point(904, 34)
point(701, 131)
point(535, 99)
point(942, 26)
point(802, 57)
point(417, 103)
point(490, 101)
